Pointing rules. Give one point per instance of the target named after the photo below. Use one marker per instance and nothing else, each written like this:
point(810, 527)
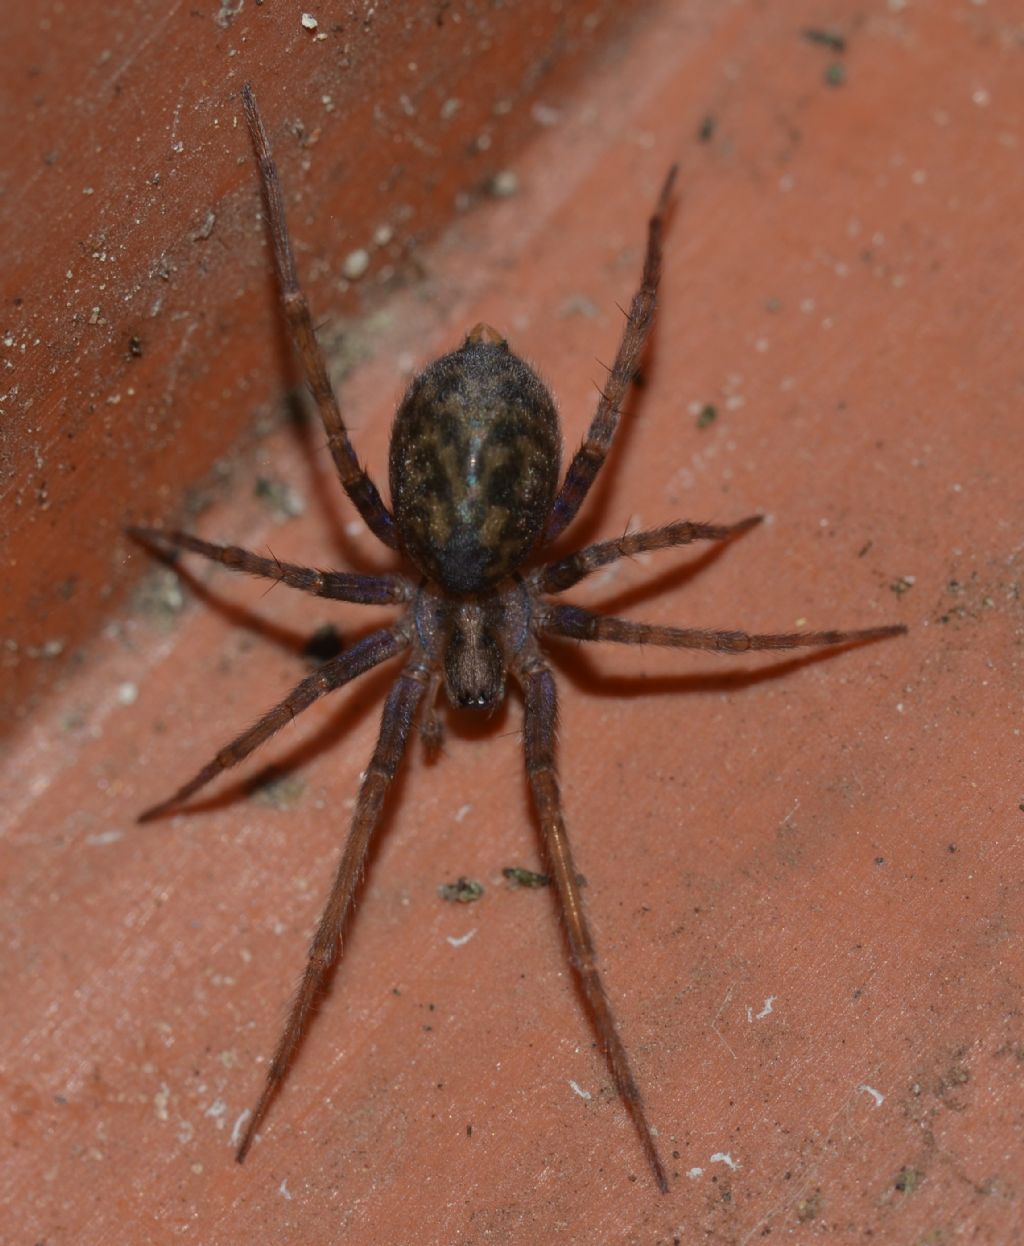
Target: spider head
point(474, 667)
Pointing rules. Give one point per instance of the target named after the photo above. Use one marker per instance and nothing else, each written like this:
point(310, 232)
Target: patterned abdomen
point(474, 465)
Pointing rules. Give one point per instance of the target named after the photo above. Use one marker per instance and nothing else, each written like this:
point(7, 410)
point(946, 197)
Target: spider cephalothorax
point(475, 499)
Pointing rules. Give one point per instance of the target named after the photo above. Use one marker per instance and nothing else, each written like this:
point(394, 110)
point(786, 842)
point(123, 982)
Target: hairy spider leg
point(588, 459)
point(580, 624)
point(395, 725)
point(539, 722)
point(362, 590)
point(354, 479)
point(556, 577)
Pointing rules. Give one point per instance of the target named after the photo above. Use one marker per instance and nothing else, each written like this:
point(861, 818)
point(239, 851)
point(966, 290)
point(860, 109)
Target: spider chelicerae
point(475, 498)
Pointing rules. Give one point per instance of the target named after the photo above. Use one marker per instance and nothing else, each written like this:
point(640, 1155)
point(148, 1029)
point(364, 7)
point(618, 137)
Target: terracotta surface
point(804, 876)
point(140, 331)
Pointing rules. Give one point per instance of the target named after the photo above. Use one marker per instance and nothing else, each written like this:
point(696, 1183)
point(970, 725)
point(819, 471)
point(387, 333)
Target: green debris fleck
point(462, 891)
point(706, 132)
point(835, 75)
point(908, 1179)
point(707, 415)
point(517, 876)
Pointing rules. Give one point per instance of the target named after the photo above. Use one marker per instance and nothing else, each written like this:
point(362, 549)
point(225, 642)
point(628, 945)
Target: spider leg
point(558, 576)
point(356, 483)
point(590, 456)
point(361, 657)
point(539, 742)
point(431, 729)
point(395, 724)
point(580, 624)
point(365, 590)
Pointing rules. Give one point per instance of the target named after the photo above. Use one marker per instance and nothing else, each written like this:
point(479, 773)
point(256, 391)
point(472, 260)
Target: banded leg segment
point(580, 624)
point(539, 742)
point(354, 479)
point(396, 722)
point(556, 577)
point(589, 458)
point(362, 657)
point(365, 590)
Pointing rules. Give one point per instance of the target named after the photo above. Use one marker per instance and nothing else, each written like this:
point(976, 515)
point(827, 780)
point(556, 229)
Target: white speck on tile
point(461, 812)
point(723, 1157)
point(309, 22)
point(766, 1008)
point(461, 940)
point(217, 1110)
point(355, 264)
point(282, 1189)
point(545, 115)
point(578, 1090)
point(694, 1173)
point(127, 693)
point(104, 837)
point(161, 1100)
point(877, 1095)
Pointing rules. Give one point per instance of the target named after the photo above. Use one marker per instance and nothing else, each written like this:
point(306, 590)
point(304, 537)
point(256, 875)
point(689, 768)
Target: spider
point(475, 496)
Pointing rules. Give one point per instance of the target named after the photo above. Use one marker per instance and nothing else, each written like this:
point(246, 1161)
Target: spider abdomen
point(474, 465)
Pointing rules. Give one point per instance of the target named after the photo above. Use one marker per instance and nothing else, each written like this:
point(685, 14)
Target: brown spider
point(474, 469)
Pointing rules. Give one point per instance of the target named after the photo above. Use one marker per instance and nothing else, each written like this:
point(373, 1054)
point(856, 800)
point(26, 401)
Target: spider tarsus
point(245, 1145)
point(150, 537)
point(154, 811)
point(744, 525)
point(666, 188)
point(866, 634)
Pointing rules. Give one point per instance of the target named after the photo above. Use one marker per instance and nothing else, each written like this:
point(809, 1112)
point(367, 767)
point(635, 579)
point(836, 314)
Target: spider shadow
point(239, 616)
point(583, 673)
point(323, 483)
point(586, 524)
point(671, 579)
point(372, 689)
point(302, 419)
